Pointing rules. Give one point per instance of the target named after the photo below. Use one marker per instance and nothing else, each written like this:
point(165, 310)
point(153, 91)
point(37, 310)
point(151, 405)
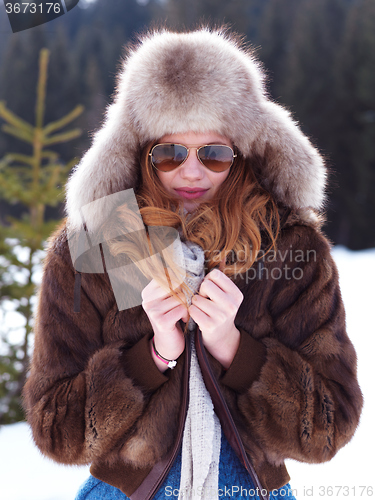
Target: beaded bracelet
point(170, 362)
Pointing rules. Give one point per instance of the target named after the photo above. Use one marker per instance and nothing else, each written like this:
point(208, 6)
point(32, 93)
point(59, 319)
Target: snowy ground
point(26, 475)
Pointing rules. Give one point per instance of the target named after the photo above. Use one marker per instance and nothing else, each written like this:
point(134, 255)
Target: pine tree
point(307, 81)
point(355, 128)
point(36, 181)
point(192, 14)
point(275, 26)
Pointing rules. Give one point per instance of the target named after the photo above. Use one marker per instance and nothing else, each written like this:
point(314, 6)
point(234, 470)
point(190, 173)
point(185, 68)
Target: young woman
point(203, 389)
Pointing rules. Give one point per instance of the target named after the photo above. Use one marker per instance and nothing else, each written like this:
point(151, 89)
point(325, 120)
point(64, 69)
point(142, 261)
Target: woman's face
point(192, 175)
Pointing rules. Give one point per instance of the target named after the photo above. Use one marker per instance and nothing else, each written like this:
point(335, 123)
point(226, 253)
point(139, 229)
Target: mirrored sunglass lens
point(167, 157)
point(216, 158)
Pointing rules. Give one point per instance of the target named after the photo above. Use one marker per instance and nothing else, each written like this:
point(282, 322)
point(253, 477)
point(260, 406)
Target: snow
point(27, 475)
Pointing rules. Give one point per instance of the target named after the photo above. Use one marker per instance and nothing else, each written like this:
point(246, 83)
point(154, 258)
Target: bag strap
point(225, 417)
point(158, 473)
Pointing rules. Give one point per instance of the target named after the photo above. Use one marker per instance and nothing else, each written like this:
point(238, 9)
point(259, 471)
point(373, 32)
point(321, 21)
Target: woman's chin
point(190, 205)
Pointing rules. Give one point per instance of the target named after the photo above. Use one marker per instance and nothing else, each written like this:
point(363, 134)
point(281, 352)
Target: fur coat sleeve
point(293, 384)
point(81, 398)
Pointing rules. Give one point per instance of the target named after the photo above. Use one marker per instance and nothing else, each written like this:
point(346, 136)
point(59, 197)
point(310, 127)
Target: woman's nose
point(192, 168)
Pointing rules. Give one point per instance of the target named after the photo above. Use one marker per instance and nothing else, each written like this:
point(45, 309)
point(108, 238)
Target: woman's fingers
point(212, 291)
point(205, 304)
point(217, 286)
point(162, 305)
point(199, 316)
point(175, 314)
point(155, 291)
point(163, 309)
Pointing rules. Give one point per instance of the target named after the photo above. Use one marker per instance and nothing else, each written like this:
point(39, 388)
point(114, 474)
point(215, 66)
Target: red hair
point(228, 227)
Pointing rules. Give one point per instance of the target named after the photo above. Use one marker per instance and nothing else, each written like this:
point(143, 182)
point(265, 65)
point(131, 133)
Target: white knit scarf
point(202, 433)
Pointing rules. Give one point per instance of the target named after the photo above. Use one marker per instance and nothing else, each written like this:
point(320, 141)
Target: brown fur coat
point(292, 386)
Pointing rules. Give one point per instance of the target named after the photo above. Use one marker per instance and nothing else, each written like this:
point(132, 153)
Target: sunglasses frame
point(187, 156)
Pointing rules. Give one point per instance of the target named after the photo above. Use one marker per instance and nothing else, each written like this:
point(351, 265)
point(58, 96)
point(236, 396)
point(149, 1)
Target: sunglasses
point(216, 157)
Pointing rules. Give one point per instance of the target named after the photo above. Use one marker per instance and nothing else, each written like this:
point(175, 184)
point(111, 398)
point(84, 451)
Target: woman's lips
point(192, 193)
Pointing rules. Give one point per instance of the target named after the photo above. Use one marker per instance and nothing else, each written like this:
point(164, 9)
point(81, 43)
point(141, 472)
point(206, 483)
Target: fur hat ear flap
point(109, 166)
point(291, 167)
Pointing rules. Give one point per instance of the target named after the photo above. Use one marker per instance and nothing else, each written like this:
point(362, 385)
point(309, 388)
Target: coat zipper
point(159, 472)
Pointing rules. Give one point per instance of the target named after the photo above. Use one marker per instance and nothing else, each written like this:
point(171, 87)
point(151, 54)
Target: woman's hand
point(214, 309)
point(164, 311)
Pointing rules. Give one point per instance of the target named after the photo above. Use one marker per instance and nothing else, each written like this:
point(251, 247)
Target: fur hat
point(198, 81)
